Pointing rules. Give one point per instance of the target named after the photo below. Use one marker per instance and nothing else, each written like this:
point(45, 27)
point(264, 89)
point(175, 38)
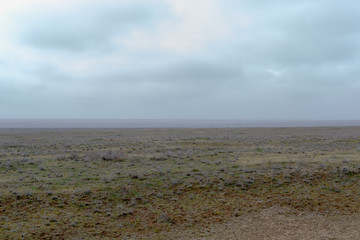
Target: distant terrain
point(215, 183)
point(169, 123)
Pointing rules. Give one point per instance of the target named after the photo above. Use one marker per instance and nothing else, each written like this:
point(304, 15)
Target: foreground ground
point(259, 183)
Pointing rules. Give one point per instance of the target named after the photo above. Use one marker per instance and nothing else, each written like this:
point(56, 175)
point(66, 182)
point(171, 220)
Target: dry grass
point(285, 183)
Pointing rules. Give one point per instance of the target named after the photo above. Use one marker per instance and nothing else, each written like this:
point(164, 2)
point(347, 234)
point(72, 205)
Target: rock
point(87, 192)
point(218, 162)
point(120, 206)
point(42, 168)
point(175, 182)
point(335, 189)
point(150, 194)
point(126, 212)
point(229, 182)
point(28, 194)
point(123, 211)
point(97, 210)
point(138, 176)
point(248, 181)
point(106, 180)
point(189, 222)
point(244, 187)
point(179, 192)
point(249, 170)
point(345, 170)
point(4, 219)
point(133, 202)
point(159, 195)
point(165, 218)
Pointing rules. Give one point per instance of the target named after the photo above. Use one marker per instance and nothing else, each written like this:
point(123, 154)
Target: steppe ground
point(241, 183)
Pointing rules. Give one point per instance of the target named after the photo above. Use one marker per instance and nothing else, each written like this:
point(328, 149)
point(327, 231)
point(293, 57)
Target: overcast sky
point(192, 59)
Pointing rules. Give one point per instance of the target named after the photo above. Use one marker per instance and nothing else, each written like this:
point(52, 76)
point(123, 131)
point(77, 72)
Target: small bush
point(73, 156)
point(108, 155)
point(61, 158)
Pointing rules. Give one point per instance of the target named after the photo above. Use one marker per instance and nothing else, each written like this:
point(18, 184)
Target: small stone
point(179, 192)
point(87, 192)
point(42, 168)
point(28, 194)
point(133, 202)
point(248, 181)
point(249, 170)
point(97, 210)
point(175, 182)
point(4, 219)
point(229, 182)
point(345, 170)
point(134, 176)
point(335, 189)
point(165, 218)
point(126, 212)
point(159, 195)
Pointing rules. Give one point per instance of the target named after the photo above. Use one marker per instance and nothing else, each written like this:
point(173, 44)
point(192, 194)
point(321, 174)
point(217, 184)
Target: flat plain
point(225, 183)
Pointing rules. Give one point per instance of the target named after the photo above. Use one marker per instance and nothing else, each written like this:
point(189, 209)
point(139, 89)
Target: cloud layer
point(180, 59)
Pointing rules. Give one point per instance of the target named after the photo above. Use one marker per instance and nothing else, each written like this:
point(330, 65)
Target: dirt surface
point(276, 223)
point(243, 183)
point(279, 223)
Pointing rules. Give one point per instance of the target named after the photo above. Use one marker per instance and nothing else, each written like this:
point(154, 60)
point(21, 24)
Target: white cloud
point(276, 73)
point(193, 27)
point(198, 23)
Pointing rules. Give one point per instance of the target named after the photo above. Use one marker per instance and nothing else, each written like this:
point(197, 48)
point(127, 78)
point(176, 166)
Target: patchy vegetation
point(151, 183)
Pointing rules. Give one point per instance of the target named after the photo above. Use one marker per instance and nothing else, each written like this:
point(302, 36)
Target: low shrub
point(105, 155)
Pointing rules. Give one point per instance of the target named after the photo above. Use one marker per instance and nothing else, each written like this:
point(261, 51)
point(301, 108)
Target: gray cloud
point(318, 35)
point(199, 72)
point(286, 60)
point(84, 28)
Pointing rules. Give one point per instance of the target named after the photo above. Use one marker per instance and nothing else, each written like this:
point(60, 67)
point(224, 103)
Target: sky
point(180, 59)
